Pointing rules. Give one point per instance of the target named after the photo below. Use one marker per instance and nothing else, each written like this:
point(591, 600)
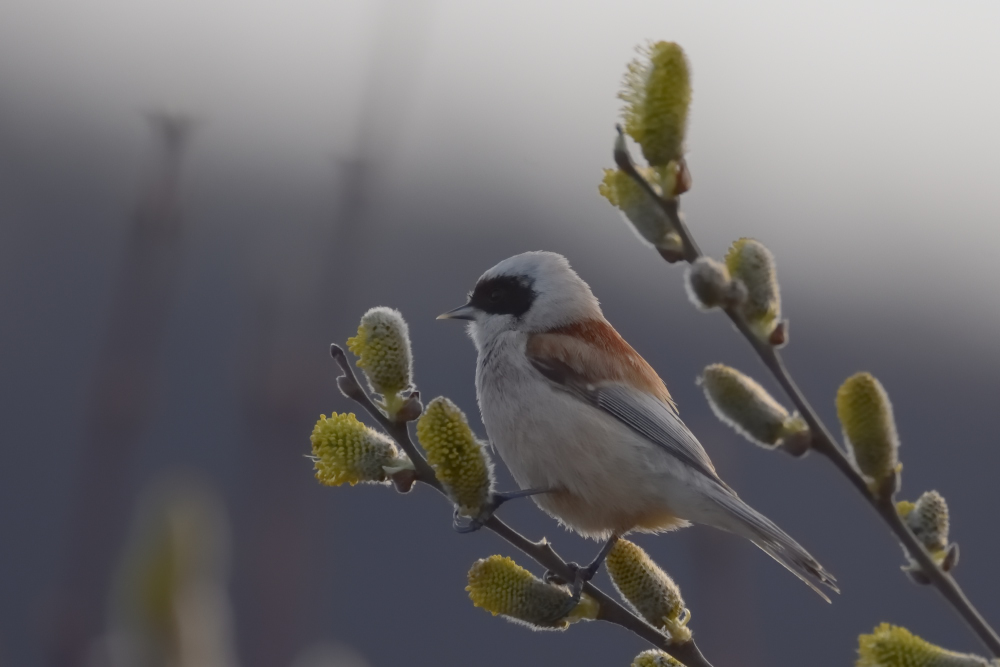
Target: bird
point(587, 427)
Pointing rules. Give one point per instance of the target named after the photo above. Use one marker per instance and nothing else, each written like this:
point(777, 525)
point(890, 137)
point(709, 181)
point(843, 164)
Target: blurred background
point(196, 198)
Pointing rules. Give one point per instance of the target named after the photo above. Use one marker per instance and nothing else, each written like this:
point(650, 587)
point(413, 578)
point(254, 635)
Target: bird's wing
point(650, 418)
point(598, 367)
point(581, 367)
point(597, 353)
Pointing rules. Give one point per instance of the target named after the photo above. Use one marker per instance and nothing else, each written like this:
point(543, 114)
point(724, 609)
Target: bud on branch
point(709, 285)
point(345, 450)
point(744, 405)
point(654, 658)
point(928, 519)
point(648, 589)
point(646, 216)
point(383, 348)
point(459, 460)
point(893, 646)
point(870, 430)
point(657, 96)
point(502, 587)
point(753, 264)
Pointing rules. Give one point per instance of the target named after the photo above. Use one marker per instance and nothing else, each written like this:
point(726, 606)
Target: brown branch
point(541, 552)
point(884, 504)
point(822, 440)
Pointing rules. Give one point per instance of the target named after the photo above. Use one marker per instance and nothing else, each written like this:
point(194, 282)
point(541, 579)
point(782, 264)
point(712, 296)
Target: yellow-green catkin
point(655, 658)
point(657, 96)
point(893, 646)
point(167, 597)
point(458, 458)
point(870, 430)
point(646, 216)
point(347, 451)
point(750, 262)
point(383, 348)
point(744, 405)
point(648, 589)
point(501, 586)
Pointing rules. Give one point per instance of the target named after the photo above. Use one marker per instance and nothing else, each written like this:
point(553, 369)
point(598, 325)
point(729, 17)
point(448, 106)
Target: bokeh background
point(196, 198)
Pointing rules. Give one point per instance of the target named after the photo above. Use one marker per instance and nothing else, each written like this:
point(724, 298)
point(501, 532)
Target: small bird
point(587, 427)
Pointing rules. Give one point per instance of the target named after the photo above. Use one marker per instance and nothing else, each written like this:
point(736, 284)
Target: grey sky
point(850, 134)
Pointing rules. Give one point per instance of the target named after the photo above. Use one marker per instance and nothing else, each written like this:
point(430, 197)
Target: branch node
point(411, 409)
point(671, 255)
point(404, 480)
point(779, 337)
point(951, 558)
point(797, 445)
point(349, 387)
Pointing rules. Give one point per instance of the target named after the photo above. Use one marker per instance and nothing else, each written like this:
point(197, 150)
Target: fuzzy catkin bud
point(893, 646)
point(928, 519)
point(655, 658)
point(501, 586)
point(745, 406)
point(866, 416)
point(709, 285)
point(646, 217)
point(657, 96)
point(751, 263)
point(458, 459)
point(383, 348)
point(648, 589)
point(345, 450)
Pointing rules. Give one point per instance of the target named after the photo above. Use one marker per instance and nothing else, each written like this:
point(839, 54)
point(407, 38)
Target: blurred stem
point(670, 205)
point(541, 552)
point(122, 398)
point(822, 441)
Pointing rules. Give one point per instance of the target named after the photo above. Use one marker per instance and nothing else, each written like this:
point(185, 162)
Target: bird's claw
point(555, 579)
point(464, 524)
point(580, 576)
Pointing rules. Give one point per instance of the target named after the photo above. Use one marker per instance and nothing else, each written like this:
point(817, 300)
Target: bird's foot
point(579, 577)
point(465, 524)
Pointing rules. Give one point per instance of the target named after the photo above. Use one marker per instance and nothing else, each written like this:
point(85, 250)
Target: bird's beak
point(466, 312)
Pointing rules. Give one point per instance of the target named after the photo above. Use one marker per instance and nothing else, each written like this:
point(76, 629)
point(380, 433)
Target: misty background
point(196, 198)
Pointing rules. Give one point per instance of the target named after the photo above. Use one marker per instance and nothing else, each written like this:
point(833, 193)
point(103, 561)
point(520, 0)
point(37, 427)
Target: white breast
point(609, 478)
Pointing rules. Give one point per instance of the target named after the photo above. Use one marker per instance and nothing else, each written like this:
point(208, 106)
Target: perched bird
point(587, 426)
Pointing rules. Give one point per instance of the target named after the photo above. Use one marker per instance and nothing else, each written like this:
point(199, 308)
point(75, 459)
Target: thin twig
point(541, 552)
point(822, 440)
point(824, 443)
point(351, 388)
point(670, 205)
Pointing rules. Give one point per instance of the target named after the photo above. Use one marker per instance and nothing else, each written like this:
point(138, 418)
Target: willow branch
point(885, 504)
point(822, 441)
point(541, 552)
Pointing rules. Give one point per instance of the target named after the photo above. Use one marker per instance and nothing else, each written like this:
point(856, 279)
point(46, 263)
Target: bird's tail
point(760, 530)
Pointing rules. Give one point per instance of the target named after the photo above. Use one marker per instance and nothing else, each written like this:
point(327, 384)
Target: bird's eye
point(496, 295)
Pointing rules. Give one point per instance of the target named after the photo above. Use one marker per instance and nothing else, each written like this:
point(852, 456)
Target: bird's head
point(531, 292)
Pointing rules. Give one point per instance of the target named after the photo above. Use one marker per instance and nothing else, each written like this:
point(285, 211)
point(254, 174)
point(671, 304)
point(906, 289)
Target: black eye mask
point(503, 295)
